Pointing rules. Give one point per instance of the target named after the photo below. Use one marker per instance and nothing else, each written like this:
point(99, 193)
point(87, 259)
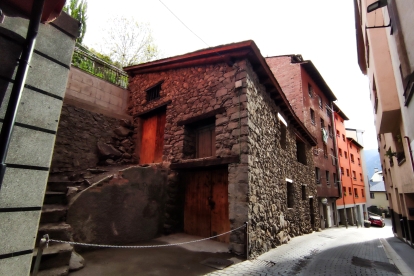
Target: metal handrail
point(99, 68)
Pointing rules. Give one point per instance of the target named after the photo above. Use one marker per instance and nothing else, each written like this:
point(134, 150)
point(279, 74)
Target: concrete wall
point(97, 95)
point(135, 212)
point(30, 152)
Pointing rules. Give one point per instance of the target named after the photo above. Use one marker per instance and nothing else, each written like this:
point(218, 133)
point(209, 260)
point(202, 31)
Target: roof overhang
point(318, 79)
point(362, 60)
point(355, 142)
point(340, 112)
point(23, 8)
point(229, 54)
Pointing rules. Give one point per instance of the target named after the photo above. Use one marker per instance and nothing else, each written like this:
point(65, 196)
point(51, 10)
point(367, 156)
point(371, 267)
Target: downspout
point(338, 169)
point(411, 152)
point(352, 178)
point(20, 79)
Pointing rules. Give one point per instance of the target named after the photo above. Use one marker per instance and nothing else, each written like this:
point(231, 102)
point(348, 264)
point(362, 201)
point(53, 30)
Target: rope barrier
point(139, 246)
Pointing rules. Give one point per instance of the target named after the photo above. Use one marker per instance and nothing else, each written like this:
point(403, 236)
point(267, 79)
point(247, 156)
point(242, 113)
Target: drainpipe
point(411, 152)
point(20, 79)
point(338, 169)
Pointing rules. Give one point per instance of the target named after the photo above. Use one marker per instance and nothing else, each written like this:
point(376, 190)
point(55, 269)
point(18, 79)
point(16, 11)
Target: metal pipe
point(20, 79)
point(411, 152)
point(246, 234)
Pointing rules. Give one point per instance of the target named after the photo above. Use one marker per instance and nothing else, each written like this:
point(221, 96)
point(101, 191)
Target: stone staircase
point(56, 258)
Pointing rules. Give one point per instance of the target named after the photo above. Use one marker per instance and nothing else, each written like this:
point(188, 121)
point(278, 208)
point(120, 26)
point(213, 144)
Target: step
point(55, 198)
point(54, 256)
point(57, 230)
point(57, 271)
point(62, 186)
point(53, 213)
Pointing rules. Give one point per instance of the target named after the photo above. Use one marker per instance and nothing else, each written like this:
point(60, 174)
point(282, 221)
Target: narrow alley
point(335, 251)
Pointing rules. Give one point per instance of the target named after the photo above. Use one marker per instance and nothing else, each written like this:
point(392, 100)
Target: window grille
point(153, 92)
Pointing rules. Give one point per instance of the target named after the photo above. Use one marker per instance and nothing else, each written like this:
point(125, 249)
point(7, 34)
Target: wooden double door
point(152, 142)
point(206, 208)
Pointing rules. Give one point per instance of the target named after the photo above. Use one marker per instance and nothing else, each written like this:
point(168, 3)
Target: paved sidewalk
point(335, 251)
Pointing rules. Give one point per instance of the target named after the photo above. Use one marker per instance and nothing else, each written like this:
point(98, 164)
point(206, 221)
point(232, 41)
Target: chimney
point(376, 170)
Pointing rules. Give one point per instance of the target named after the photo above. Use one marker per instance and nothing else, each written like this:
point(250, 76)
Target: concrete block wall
point(32, 141)
point(94, 94)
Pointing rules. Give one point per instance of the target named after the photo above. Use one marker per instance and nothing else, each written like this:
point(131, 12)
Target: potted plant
point(390, 154)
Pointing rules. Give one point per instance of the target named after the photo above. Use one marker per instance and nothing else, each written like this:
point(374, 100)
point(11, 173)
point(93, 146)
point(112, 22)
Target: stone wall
point(271, 221)
point(86, 139)
point(194, 91)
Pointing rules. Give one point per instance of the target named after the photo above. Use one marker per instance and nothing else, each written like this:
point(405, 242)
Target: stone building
point(236, 152)
point(312, 100)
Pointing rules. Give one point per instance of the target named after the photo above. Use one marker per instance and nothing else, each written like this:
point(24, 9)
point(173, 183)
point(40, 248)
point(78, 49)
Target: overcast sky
point(322, 31)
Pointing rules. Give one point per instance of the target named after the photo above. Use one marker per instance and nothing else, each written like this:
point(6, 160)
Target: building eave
point(362, 60)
point(229, 54)
point(340, 112)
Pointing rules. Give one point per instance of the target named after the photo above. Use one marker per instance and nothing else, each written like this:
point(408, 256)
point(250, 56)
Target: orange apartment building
point(312, 100)
point(352, 206)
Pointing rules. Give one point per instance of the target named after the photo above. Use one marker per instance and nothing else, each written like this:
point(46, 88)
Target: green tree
point(129, 42)
point(78, 11)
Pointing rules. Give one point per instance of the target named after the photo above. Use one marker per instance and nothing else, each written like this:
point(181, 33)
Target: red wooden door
point(206, 211)
point(152, 141)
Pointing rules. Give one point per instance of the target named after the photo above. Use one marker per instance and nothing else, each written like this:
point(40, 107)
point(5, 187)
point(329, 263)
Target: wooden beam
point(149, 111)
point(201, 117)
point(205, 162)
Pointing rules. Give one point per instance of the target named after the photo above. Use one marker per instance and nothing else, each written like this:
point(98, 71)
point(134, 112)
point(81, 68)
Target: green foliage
point(78, 11)
point(390, 154)
point(129, 42)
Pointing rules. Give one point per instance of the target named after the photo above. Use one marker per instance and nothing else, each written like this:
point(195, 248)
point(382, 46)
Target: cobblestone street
point(335, 251)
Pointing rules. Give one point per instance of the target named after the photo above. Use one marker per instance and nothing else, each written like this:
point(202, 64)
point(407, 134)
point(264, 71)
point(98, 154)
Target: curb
point(396, 259)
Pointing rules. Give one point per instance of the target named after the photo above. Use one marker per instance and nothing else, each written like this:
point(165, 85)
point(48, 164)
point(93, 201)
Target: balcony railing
point(400, 157)
point(99, 68)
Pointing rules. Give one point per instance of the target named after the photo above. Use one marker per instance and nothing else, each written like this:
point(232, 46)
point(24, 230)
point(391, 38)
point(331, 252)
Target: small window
point(359, 162)
point(312, 113)
point(347, 172)
point(344, 189)
point(300, 151)
point(353, 175)
point(334, 179)
point(153, 92)
point(310, 90)
point(338, 134)
point(342, 170)
point(340, 152)
point(386, 196)
point(346, 154)
point(371, 195)
point(318, 175)
point(325, 151)
point(356, 192)
point(283, 130)
point(327, 178)
point(350, 145)
point(290, 195)
point(304, 192)
point(320, 102)
point(343, 137)
point(362, 192)
point(330, 131)
point(352, 158)
point(360, 177)
point(322, 123)
point(350, 191)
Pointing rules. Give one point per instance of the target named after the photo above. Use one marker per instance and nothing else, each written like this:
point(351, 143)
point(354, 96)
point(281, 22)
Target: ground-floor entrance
point(206, 206)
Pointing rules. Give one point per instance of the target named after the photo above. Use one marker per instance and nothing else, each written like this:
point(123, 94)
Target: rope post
point(246, 236)
point(44, 242)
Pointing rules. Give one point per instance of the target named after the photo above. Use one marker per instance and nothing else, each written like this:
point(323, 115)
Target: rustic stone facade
point(82, 139)
point(272, 222)
point(248, 127)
